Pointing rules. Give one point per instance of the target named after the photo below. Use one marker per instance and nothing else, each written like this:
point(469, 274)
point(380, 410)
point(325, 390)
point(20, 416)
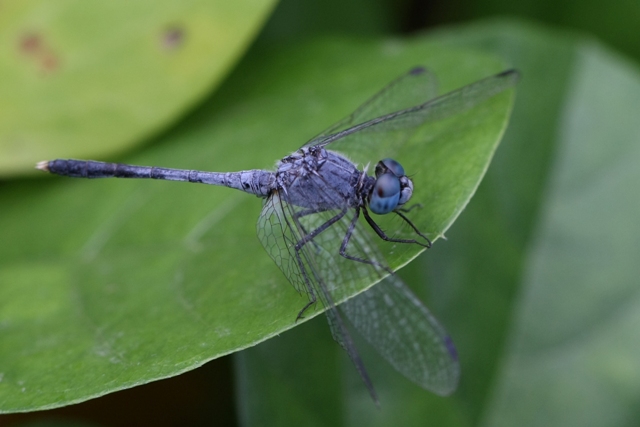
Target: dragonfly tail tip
point(43, 166)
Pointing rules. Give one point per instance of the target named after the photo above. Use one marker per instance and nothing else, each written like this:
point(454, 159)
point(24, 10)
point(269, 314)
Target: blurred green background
point(537, 282)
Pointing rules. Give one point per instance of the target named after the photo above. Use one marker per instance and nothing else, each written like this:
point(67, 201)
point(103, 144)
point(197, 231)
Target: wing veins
point(438, 108)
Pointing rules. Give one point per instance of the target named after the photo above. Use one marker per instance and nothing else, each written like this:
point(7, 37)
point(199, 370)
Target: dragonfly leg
point(347, 238)
point(386, 238)
point(302, 214)
point(337, 326)
point(410, 208)
point(312, 235)
point(408, 221)
point(305, 212)
point(312, 300)
point(308, 237)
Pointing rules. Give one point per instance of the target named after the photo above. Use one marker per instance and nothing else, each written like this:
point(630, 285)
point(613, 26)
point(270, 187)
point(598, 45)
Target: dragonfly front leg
point(408, 221)
point(410, 208)
point(386, 238)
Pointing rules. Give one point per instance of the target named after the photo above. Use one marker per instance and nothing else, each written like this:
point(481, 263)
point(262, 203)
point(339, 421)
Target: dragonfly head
point(391, 189)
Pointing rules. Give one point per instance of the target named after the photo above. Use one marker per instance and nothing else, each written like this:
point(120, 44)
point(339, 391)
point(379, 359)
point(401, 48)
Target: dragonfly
point(320, 222)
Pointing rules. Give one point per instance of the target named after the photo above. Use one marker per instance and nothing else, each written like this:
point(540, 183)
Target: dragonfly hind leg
point(308, 237)
point(302, 214)
point(312, 301)
point(345, 243)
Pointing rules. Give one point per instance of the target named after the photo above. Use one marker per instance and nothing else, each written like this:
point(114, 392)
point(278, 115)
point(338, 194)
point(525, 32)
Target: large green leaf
point(573, 347)
point(537, 282)
point(109, 284)
point(93, 78)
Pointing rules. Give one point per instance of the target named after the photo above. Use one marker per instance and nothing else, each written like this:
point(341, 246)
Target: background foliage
point(537, 281)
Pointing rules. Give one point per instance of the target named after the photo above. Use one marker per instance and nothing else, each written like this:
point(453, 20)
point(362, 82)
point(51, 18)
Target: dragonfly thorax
point(318, 179)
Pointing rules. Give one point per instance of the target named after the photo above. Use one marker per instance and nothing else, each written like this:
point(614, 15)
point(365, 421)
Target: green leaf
point(572, 350)
point(85, 79)
point(108, 284)
point(537, 282)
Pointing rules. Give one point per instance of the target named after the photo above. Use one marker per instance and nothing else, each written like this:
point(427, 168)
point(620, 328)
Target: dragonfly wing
point(315, 268)
point(405, 334)
point(387, 315)
point(382, 136)
point(412, 88)
point(401, 329)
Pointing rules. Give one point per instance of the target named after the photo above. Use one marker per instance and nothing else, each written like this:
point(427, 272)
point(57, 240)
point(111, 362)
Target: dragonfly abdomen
point(258, 182)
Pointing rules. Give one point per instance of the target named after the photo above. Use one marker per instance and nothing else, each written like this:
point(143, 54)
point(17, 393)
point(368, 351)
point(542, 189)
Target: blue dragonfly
point(319, 221)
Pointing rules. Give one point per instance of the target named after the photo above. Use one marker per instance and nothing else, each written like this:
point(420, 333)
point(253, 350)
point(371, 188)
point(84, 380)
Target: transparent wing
point(314, 268)
point(380, 137)
point(387, 315)
point(405, 334)
point(413, 88)
point(396, 323)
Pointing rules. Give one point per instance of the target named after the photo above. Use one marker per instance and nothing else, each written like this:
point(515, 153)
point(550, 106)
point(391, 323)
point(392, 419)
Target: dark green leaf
point(537, 282)
point(109, 284)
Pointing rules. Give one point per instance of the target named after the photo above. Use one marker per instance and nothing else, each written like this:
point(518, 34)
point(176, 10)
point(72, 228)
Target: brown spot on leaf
point(30, 43)
point(172, 37)
point(36, 48)
point(49, 62)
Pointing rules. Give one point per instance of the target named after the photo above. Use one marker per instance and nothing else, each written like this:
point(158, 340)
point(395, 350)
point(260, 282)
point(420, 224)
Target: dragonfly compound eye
point(406, 190)
point(385, 194)
point(389, 165)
